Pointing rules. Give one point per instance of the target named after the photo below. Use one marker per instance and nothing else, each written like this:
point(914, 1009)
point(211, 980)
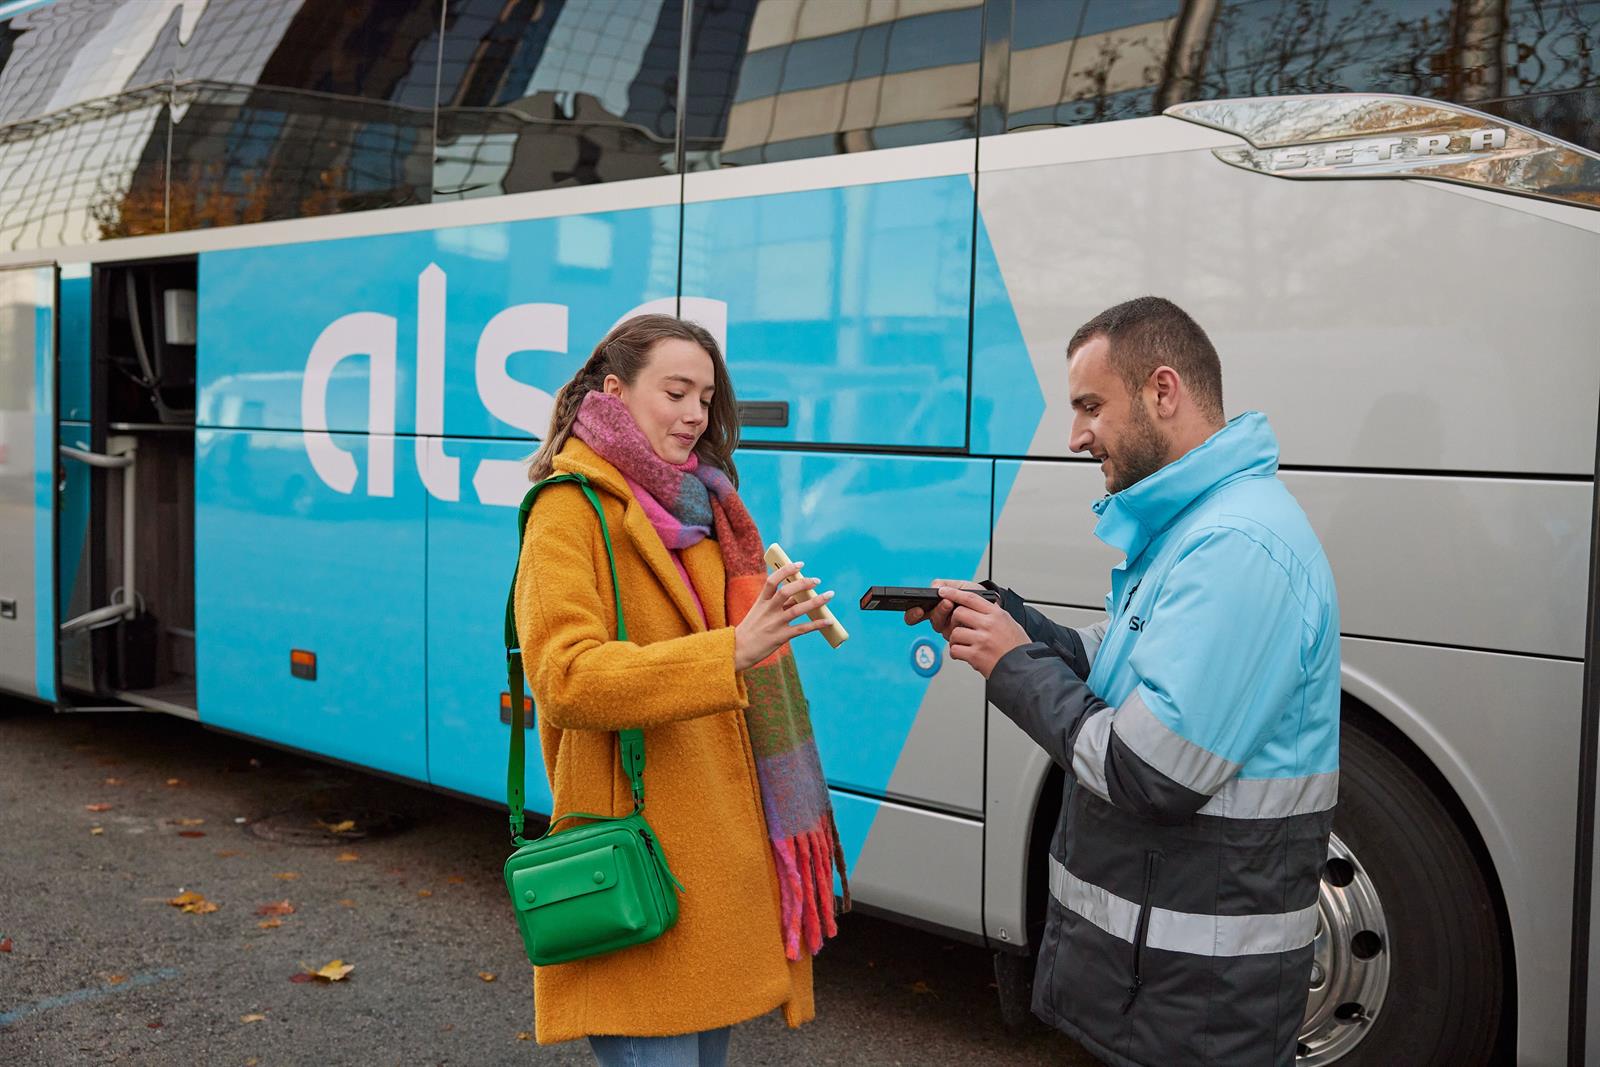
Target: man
point(1198, 723)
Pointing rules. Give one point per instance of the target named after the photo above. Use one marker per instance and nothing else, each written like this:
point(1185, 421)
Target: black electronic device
point(906, 597)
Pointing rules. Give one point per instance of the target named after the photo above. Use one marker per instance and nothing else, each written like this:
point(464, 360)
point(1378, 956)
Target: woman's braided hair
point(625, 351)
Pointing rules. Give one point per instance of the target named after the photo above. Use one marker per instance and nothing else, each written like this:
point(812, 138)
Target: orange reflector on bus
point(303, 664)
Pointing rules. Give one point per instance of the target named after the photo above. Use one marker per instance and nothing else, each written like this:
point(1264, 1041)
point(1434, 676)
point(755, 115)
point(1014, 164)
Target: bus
point(285, 290)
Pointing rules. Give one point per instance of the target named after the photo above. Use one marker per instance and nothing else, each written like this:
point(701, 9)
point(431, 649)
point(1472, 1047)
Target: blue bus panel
point(283, 563)
point(850, 304)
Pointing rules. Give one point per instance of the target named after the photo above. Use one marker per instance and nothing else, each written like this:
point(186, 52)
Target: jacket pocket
point(1152, 862)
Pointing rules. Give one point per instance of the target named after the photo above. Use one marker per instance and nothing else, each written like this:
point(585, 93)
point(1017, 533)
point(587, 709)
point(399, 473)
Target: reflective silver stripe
point(1183, 931)
point(1274, 798)
point(1176, 757)
point(1092, 636)
point(1089, 752)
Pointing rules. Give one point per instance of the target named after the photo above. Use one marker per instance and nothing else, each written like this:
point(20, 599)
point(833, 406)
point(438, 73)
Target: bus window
point(539, 94)
point(791, 79)
point(289, 110)
point(1081, 61)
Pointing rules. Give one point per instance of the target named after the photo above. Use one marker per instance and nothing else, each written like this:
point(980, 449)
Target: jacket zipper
point(1151, 861)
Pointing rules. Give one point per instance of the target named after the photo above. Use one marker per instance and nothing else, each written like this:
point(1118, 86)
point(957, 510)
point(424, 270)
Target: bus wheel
point(1407, 965)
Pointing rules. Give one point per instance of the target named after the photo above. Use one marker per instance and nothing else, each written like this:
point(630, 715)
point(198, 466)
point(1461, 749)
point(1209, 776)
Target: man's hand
point(980, 633)
point(939, 617)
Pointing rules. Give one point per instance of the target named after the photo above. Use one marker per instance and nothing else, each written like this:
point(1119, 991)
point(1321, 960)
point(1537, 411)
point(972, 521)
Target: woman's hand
point(769, 626)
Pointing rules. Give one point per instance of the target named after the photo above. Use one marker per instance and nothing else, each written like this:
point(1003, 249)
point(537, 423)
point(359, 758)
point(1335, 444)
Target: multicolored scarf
point(687, 503)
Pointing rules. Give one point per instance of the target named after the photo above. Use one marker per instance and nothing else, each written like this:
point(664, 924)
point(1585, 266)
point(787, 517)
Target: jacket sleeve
point(1077, 647)
point(1218, 665)
point(581, 677)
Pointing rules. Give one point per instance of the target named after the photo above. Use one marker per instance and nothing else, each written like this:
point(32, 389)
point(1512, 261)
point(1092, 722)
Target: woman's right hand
point(770, 624)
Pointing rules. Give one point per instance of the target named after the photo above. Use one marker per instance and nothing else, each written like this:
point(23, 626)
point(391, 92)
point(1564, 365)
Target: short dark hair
point(1149, 332)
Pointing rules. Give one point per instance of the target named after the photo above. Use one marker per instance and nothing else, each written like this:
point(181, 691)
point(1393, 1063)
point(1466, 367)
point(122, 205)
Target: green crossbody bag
point(600, 886)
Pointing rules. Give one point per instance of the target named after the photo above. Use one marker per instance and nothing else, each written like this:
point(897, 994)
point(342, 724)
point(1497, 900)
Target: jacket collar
point(576, 457)
point(1131, 519)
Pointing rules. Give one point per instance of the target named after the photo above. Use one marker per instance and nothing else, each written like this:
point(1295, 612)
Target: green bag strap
point(630, 742)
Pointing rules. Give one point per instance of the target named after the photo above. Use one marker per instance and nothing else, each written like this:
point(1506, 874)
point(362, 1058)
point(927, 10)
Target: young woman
point(733, 785)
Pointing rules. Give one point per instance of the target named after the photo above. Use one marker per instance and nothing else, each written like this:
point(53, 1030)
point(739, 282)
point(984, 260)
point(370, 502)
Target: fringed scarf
point(687, 503)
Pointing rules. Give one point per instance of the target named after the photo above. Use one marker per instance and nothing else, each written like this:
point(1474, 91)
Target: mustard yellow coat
point(723, 962)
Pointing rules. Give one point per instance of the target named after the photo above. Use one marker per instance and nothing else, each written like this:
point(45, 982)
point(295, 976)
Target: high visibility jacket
point(1199, 727)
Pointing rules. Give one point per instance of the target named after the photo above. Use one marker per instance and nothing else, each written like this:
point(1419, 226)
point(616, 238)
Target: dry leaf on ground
point(424, 892)
point(348, 857)
point(97, 807)
point(347, 902)
point(523, 1035)
point(344, 826)
point(96, 831)
point(191, 833)
point(335, 971)
point(174, 781)
point(5, 944)
point(286, 876)
point(190, 901)
point(277, 907)
point(487, 976)
point(253, 1018)
point(116, 979)
point(270, 924)
point(186, 822)
point(113, 781)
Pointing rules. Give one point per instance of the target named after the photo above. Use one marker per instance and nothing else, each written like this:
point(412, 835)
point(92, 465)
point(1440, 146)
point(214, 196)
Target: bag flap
point(571, 876)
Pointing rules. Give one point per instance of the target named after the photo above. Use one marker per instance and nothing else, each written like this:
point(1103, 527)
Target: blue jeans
point(708, 1048)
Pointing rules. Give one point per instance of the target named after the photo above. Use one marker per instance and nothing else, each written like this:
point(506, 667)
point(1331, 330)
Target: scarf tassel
point(806, 865)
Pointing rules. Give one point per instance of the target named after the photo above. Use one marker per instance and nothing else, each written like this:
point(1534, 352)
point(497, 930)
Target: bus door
point(27, 480)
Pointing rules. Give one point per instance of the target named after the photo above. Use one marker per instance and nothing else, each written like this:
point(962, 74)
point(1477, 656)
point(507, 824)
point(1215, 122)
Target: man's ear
point(1165, 387)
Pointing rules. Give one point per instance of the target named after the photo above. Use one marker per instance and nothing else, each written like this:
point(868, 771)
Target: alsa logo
point(537, 327)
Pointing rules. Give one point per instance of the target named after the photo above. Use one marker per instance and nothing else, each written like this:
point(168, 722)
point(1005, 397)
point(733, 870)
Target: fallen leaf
point(97, 830)
point(344, 826)
point(286, 876)
point(280, 907)
point(174, 781)
point(186, 822)
point(424, 892)
point(190, 901)
point(97, 807)
point(335, 971)
point(227, 853)
point(486, 976)
point(5, 944)
point(252, 1061)
point(447, 1027)
point(191, 833)
point(252, 1018)
point(523, 1035)
point(300, 978)
point(155, 1025)
point(456, 879)
point(113, 781)
point(922, 987)
point(348, 857)
point(116, 979)
point(270, 924)
point(347, 902)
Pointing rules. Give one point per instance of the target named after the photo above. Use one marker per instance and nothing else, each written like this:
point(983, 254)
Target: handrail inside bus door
point(124, 459)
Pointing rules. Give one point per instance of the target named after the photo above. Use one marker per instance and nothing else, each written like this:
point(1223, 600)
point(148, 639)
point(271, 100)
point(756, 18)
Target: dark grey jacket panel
point(1156, 996)
point(1063, 640)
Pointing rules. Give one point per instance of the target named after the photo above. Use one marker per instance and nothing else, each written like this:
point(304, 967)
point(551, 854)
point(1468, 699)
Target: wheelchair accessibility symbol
point(925, 658)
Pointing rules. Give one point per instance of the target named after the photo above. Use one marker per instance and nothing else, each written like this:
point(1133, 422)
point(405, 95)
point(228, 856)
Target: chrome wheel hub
point(1350, 963)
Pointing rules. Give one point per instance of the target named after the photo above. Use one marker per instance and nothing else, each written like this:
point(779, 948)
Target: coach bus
point(285, 290)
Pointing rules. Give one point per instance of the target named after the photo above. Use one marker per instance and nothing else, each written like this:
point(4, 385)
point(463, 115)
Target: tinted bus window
point(538, 94)
point(790, 79)
point(79, 123)
point(306, 108)
point(1532, 61)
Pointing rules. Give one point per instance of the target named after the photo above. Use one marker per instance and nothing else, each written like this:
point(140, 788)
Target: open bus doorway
point(138, 644)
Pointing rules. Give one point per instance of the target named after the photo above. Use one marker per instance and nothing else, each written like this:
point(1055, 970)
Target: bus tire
point(1435, 935)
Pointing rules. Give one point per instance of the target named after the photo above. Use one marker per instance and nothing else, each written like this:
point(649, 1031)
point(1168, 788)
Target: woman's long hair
point(625, 351)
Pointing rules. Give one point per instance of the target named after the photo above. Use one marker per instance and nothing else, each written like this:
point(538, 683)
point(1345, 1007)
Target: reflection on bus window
point(791, 79)
point(1532, 61)
point(539, 94)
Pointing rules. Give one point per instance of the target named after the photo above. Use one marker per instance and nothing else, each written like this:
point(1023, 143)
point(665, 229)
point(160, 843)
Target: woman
point(733, 786)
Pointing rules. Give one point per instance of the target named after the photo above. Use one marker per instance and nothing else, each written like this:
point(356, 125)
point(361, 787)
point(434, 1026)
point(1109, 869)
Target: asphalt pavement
point(106, 819)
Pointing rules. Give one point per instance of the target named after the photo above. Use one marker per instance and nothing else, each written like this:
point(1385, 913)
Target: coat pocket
point(1152, 863)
